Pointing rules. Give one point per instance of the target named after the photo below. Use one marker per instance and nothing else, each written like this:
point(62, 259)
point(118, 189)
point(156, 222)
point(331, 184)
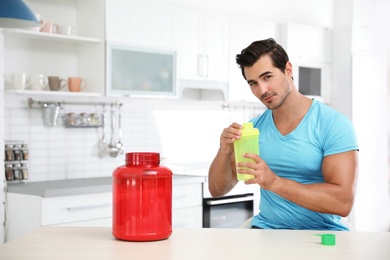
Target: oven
point(231, 210)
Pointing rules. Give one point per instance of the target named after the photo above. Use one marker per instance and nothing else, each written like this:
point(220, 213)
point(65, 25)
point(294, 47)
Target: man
point(308, 164)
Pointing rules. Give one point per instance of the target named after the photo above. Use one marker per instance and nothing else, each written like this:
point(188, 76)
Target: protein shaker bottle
point(248, 143)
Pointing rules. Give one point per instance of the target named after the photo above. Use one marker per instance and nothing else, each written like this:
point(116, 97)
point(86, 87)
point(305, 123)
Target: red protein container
point(142, 199)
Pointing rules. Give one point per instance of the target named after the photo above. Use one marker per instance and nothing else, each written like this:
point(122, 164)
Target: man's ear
point(289, 70)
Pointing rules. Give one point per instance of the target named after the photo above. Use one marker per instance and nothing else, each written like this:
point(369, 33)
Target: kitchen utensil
point(119, 145)
point(51, 112)
point(112, 149)
point(102, 145)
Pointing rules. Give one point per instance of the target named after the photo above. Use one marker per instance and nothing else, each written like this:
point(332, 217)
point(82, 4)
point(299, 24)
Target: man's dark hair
point(257, 49)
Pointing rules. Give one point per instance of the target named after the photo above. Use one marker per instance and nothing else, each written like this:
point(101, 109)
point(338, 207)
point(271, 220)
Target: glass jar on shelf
point(71, 119)
point(9, 152)
point(85, 120)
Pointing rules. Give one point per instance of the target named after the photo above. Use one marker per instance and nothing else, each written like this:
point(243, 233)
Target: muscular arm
point(222, 172)
point(335, 196)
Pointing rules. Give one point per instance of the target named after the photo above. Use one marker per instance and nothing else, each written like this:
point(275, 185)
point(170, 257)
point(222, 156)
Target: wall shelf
point(34, 35)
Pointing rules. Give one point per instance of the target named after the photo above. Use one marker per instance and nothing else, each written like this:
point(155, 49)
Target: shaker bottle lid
point(249, 129)
point(327, 239)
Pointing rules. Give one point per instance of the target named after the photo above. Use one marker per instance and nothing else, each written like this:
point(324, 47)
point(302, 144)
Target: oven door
point(227, 211)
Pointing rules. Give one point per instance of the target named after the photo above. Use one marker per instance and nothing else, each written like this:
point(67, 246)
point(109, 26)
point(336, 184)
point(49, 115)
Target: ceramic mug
point(20, 81)
point(50, 27)
point(66, 30)
point(38, 82)
point(56, 83)
point(76, 84)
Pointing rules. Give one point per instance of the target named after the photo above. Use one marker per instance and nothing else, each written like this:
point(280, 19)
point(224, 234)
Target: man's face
point(268, 83)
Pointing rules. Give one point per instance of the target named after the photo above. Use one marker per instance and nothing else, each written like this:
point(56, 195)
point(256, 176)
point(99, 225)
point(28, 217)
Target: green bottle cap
point(327, 239)
point(249, 130)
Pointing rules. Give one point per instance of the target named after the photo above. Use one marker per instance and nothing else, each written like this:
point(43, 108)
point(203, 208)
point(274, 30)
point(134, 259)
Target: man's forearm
point(221, 175)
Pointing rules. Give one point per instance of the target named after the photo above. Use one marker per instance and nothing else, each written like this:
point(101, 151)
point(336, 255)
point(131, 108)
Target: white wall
point(177, 129)
point(311, 12)
point(360, 91)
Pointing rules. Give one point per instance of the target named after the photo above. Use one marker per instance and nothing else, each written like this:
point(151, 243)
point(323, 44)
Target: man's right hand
point(228, 136)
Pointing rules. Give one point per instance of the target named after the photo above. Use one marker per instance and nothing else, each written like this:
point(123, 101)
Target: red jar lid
point(142, 158)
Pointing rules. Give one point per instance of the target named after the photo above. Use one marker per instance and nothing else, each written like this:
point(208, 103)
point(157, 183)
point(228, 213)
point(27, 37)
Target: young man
point(308, 164)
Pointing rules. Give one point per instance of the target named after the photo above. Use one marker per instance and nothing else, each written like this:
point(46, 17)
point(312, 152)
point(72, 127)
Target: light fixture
point(16, 14)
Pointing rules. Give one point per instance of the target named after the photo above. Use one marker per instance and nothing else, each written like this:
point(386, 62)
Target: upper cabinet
point(72, 44)
point(202, 44)
point(140, 23)
point(306, 44)
point(242, 32)
point(309, 50)
point(198, 37)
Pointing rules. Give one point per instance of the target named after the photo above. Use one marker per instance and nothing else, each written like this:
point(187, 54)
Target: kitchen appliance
point(142, 199)
point(231, 210)
point(313, 80)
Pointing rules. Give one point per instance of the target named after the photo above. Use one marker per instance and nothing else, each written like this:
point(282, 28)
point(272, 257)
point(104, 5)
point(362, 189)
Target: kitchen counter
point(81, 186)
point(98, 243)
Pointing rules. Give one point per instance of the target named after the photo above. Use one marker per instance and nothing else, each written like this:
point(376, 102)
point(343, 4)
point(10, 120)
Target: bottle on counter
point(248, 143)
point(142, 199)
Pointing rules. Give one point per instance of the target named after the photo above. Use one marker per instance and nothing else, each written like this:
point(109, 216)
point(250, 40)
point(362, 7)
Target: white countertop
point(82, 186)
point(98, 243)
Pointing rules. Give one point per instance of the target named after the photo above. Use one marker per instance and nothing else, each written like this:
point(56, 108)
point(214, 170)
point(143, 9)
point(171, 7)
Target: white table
point(98, 243)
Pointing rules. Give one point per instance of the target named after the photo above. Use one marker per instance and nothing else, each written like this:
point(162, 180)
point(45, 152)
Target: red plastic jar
point(142, 199)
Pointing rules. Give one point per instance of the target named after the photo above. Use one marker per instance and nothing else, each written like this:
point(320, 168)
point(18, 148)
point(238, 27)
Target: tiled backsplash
point(183, 133)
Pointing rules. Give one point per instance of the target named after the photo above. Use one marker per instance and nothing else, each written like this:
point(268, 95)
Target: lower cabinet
point(26, 213)
point(187, 205)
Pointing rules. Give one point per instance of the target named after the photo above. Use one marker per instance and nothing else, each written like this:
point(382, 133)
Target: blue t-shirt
point(298, 156)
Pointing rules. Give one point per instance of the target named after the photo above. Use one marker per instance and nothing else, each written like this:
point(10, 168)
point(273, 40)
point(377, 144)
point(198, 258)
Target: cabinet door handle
point(98, 206)
point(206, 64)
point(200, 65)
point(230, 200)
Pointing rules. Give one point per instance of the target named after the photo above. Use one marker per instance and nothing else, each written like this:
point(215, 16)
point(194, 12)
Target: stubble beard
point(278, 99)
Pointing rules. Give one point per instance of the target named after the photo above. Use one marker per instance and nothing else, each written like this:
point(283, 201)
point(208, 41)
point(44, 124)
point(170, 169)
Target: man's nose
point(262, 88)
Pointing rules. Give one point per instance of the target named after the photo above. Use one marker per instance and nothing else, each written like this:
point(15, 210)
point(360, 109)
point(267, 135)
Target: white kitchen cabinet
point(187, 205)
point(306, 44)
point(78, 54)
point(69, 209)
point(242, 32)
point(202, 44)
point(26, 213)
point(140, 23)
